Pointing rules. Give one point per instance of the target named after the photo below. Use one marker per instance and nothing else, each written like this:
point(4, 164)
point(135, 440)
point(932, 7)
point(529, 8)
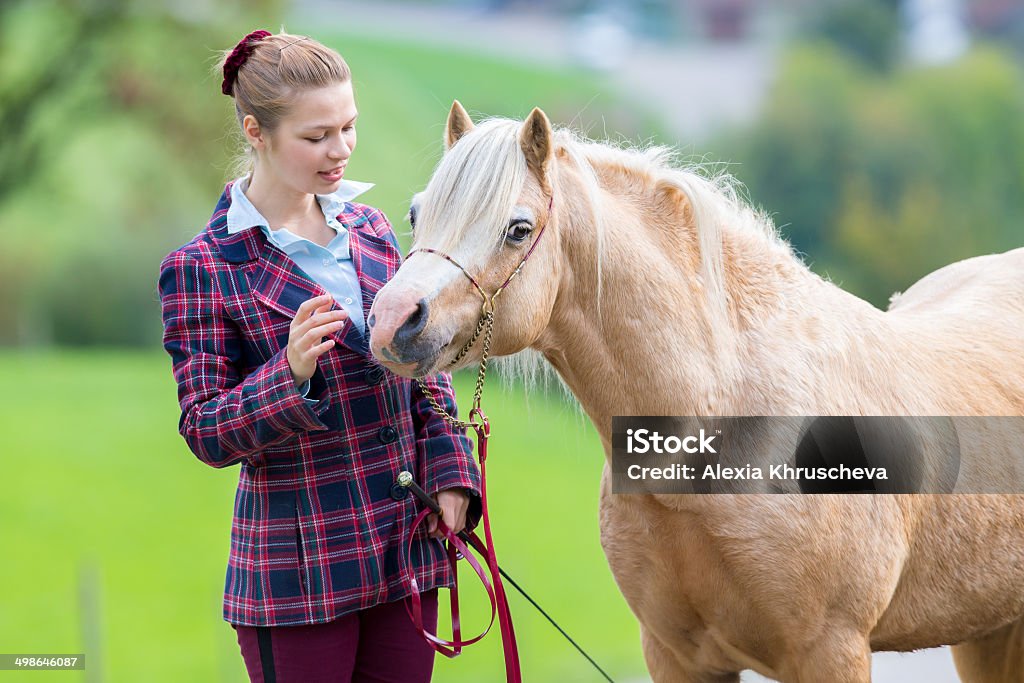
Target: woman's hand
point(454, 505)
point(313, 321)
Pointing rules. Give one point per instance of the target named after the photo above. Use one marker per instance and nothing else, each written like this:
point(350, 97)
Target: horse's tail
point(994, 658)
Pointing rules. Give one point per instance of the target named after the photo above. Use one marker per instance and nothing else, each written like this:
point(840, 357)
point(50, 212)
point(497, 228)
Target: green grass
point(100, 490)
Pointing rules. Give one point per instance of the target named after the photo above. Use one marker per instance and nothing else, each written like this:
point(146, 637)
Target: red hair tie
point(237, 58)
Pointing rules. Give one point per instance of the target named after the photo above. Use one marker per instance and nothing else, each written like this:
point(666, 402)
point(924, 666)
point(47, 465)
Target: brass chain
point(486, 323)
point(472, 340)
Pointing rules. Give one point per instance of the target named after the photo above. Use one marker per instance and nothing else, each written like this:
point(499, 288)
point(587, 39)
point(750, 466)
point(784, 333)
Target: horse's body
point(697, 308)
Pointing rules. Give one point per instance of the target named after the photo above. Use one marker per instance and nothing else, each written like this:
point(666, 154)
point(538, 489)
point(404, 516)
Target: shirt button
point(328, 261)
point(348, 299)
point(387, 434)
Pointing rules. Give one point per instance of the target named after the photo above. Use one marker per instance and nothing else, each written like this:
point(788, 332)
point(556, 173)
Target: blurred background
point(886, 138)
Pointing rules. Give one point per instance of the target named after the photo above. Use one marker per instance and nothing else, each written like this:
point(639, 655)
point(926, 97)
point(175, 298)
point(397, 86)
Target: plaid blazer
point(316, 532)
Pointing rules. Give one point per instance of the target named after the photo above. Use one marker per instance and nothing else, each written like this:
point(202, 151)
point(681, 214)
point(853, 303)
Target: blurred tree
point(68, 63)
point(806, 128)
point(105, 108)
point(867, 30)
point(38, 72)
point(881, 179)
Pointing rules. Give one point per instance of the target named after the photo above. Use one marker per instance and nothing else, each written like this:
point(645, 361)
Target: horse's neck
point(654, 345)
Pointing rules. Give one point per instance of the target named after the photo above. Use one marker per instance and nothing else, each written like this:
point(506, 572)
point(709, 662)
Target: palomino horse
point(653, 290)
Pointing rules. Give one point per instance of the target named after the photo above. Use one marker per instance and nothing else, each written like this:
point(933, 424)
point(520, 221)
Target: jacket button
point(399, 492)
point(374, 375)
point(387, 434)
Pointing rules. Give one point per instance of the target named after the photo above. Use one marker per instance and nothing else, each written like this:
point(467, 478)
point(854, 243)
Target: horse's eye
point(518, 233)
point(412, 216)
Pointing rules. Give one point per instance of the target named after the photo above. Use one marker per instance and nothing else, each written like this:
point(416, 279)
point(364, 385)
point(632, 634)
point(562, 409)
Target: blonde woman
point(265, 319)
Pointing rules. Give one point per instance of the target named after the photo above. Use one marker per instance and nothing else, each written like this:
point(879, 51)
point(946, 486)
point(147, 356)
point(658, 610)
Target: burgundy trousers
point(376, 645)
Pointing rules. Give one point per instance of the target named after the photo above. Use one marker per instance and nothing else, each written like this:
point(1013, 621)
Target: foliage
point(108, 104)
point(866, 30)
point(881, 179)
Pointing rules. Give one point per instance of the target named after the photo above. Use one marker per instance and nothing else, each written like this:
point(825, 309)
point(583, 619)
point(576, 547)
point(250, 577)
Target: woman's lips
point(332, 175)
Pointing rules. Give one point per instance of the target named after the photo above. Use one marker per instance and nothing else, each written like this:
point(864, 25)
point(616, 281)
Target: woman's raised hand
point(312, 322)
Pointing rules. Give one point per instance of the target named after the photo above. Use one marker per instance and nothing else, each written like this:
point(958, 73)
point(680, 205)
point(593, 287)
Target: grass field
point(115, 536)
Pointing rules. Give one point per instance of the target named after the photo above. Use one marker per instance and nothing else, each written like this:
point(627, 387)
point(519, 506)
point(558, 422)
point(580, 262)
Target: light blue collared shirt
point(331, 267)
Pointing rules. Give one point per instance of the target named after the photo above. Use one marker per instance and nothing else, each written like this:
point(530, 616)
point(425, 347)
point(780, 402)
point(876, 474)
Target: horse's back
point(992, 283)
point(965, 325)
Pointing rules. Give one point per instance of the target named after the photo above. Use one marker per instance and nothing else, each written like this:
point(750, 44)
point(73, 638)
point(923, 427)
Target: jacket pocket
point(301, 556)
point(281, 558)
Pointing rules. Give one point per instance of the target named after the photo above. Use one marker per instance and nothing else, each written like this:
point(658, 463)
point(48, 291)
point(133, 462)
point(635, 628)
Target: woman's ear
point(253, 132)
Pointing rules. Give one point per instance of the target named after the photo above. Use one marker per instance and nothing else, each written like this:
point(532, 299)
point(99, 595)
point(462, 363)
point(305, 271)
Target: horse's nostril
point(417, 315)
point(415, 323)
point(371, 321)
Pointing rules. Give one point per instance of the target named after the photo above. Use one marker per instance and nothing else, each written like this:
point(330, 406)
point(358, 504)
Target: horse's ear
point(537, 142)
point(459, 124)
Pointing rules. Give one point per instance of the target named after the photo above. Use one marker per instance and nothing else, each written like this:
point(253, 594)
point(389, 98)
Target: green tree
point(105, 107)
point(866, 30)
point(882, 178)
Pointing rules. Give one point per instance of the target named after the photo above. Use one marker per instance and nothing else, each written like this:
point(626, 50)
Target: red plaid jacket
point(316, 531)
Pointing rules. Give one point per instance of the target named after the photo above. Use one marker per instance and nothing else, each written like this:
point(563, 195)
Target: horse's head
point(488, 206)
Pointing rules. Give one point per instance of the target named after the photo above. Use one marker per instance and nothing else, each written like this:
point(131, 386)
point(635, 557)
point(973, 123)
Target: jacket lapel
point(281, 285)
point(372, 263)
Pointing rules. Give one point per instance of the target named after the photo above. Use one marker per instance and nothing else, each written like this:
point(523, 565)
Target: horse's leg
point(665, 667)
point(834, 658)
point(995, 658)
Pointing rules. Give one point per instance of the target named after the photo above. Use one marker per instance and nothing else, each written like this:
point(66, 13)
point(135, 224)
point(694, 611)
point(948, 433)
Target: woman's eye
point(319, 139)
point(518, 232)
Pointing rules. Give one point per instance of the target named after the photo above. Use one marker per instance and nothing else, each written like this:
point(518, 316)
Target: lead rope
point(498, 597)
point(481, 425)
point(486, 322)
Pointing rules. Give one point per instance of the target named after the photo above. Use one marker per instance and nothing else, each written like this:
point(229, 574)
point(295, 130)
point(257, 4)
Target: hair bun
point(237, 58)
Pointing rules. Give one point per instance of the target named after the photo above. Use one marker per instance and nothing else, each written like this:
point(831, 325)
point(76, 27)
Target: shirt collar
point(243, 215)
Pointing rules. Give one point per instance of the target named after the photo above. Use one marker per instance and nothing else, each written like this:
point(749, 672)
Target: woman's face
point(310, 148)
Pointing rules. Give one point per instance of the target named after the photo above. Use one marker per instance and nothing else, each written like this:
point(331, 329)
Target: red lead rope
point(494, 587)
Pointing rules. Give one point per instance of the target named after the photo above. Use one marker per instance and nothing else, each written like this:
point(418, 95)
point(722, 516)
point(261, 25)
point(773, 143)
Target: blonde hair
point(278, 67)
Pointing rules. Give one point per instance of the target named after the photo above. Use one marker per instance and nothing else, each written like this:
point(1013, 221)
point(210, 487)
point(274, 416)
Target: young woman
point(265, 320)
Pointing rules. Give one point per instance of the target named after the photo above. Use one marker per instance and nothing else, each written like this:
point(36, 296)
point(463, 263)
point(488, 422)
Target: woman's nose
point(341, 151)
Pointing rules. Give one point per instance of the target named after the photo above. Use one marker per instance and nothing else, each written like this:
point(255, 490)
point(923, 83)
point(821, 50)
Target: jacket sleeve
point(225, 417)
point(445, 450)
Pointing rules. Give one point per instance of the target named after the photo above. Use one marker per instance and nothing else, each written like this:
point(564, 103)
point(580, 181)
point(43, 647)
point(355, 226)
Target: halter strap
point(490, 300)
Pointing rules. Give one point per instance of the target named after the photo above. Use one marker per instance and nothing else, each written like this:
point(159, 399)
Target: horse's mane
point(480, 178)
point(715, 196)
